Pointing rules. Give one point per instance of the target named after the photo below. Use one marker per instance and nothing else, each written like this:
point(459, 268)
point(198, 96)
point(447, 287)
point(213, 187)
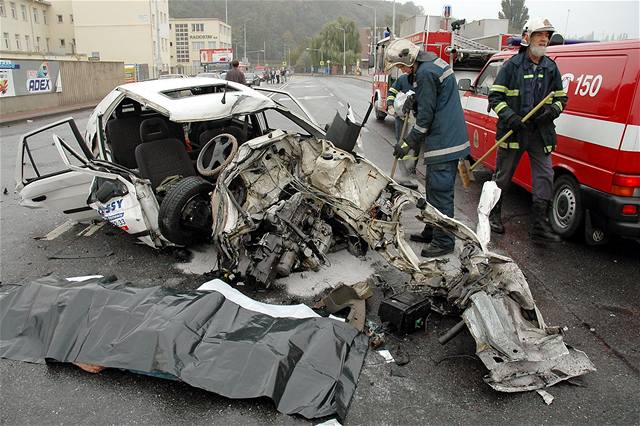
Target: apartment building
point(189, 35)
point(26, 27)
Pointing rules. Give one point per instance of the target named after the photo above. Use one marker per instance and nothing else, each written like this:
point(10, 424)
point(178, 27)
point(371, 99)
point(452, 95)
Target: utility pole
point(393, 23)
point(226, 12)
point(245, 42)
point(344, 50)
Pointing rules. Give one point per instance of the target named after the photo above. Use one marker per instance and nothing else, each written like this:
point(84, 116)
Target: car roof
point(242, 100)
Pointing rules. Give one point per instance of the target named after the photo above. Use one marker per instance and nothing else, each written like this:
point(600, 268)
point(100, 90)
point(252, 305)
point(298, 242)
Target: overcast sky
point(601, 16)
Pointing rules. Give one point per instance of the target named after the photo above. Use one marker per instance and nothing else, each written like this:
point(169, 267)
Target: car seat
point(123, 134)
point(160, 156)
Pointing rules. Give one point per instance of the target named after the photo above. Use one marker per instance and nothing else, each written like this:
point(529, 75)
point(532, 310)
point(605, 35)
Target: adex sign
point(28, 77)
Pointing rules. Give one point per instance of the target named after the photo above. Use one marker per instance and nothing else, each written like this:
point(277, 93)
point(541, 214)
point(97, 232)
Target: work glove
point(545, 115)
point(404, 146)
point(409, 103)
point(515, 123)
point(391, 111)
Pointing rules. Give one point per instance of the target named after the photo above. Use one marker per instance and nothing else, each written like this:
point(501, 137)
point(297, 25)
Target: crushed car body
point(282, 204)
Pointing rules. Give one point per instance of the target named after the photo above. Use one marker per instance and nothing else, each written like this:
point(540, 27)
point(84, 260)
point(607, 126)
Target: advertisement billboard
point(29, 77)
point(216, 56)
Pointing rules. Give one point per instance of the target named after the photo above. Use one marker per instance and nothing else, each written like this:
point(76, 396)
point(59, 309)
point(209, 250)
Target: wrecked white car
point(282, 204)
point(150, 155)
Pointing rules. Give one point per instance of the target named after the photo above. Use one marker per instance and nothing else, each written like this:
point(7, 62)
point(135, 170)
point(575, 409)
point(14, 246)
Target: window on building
point(14, 13)
point(37, 46)
point(59, 19)
point(62, 43)
point(212, 45)
point(44, 17)
point(169, 26)
point(71, 18)
point(197, 27)
point(18, 47)
point(5, 41)
point(48, 45)
point(197, 45)
point(35, 15)
point(23, 9)
point(3, 11)
point(27, 43)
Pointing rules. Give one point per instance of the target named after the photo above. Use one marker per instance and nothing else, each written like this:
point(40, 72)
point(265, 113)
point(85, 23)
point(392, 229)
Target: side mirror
point(464, 84)
point(556, 39)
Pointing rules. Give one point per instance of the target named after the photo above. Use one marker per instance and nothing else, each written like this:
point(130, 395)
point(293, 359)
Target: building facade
point(189, 35)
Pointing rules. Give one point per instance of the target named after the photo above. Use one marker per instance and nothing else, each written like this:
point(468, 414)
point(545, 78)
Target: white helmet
point(400, 52)
point(536, 25)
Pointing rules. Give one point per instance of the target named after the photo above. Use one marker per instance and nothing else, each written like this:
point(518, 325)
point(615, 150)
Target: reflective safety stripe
point(558, 104)
point(540, 75)
point(419, 129)
point(548, 149)
point(445, 151)
point(394, 91)
point(446, 74)
point(390, 98)
point(409, 157)
point(514, 92)
point(527, 76)
point(549, 101)
point(509, 145)
point(498, 88)
point(559, 93)
point(502, 105)
point(441, 63)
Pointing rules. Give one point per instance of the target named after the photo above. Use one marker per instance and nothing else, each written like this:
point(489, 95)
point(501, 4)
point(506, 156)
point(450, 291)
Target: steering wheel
point(223, 148)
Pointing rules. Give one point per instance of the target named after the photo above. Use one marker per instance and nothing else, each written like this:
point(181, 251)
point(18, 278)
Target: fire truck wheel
point(566, 213)
point(380, 115)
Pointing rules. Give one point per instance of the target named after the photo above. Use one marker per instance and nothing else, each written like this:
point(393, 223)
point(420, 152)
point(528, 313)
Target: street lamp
point(375, 28)
point(344, 50)
point(321, 55)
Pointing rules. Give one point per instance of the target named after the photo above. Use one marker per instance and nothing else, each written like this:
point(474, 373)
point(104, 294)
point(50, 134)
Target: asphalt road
point(593, 291)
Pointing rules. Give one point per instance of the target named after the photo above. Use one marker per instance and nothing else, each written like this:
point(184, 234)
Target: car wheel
point(566, 212)
point(185, 213)
point(380, 115)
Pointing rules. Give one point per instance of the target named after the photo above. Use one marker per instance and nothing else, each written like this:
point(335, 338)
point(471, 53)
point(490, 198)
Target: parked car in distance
point(209, 74)
point(252, 79)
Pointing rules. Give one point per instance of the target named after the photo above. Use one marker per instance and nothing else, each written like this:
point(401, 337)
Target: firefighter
point(406, 166)
point(439, 129)
point(523, 81)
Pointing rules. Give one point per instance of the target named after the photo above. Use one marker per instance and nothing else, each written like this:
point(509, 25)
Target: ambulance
point(597, 159)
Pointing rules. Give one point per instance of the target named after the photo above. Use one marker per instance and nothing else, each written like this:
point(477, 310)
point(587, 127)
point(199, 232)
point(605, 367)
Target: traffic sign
point(321, 63)
point(284, 63)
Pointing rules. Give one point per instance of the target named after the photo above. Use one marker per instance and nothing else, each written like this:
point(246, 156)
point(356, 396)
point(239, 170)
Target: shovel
point(404, 129)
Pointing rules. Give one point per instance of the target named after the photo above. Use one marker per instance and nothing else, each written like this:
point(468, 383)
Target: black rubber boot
point(541, 231)
point(424, 237)
point(495, 218)
point(435, 251)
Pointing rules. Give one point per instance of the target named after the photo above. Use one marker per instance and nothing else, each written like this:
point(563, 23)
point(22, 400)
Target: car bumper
point(609, 208)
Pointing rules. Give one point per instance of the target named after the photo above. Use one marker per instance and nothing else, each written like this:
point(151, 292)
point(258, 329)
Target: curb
point(10, 119)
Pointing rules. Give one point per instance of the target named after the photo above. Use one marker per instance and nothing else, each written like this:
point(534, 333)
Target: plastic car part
point(185, 215)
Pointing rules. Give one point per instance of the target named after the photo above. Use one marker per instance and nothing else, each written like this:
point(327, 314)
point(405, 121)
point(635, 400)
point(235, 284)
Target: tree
point(330, 40)
point(517, 14)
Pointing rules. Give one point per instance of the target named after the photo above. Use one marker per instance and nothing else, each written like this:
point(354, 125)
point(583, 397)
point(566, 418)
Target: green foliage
point(279, 26)
point(517, 14)
point(331, 40)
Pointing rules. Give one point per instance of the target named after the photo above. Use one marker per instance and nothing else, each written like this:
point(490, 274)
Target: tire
point(185, 213)
point(566, 213)
point(380, 115)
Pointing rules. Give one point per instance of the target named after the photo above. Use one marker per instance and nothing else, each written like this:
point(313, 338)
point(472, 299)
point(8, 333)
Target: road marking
point(91, 229)
point(61, 229)
point(341, 104)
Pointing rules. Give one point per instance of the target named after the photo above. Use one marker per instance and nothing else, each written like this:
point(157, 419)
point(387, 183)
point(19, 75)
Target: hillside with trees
point(283, 26)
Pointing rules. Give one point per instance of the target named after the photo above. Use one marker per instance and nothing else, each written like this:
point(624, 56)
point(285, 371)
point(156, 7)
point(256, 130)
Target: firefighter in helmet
point(439, 129)
point(523, 82)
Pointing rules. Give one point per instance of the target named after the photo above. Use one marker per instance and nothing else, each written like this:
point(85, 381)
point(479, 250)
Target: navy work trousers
point(441, 180)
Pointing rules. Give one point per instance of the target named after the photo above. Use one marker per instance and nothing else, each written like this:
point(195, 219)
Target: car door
point(43, 180)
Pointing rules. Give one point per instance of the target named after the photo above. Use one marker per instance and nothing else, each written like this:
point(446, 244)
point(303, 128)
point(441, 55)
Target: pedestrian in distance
point(406, 166)
point(278, 76)
point(439, 129)
point(522, 83)
point(235, 74)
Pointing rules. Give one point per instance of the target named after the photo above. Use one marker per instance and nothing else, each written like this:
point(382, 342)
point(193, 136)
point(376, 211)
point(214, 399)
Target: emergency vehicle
point(597, 158)
point(448, 45)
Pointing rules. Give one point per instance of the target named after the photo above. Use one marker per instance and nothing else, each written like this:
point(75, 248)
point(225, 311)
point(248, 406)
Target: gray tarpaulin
point(307, 366)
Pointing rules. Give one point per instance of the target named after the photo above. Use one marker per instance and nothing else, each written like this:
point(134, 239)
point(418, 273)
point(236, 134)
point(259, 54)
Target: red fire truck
point(597, 161)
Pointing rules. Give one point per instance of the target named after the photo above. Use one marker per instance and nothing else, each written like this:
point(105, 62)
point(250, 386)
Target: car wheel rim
point(564, 207)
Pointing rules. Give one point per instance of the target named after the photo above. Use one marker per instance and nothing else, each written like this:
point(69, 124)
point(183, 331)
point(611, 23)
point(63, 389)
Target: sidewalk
point(7, 119)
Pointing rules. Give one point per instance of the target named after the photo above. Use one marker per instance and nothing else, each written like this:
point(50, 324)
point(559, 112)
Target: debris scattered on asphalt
point(384, 353)
point(59, 230)
point(546, 396)
point(404, 312)
point(397, 371)
point(343, 297)
point(71, 253)
point(401, 356)
point(4, 191)
point(207, 339)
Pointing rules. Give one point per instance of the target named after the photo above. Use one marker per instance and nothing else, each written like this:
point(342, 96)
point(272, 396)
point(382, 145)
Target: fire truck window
point(486, 79)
